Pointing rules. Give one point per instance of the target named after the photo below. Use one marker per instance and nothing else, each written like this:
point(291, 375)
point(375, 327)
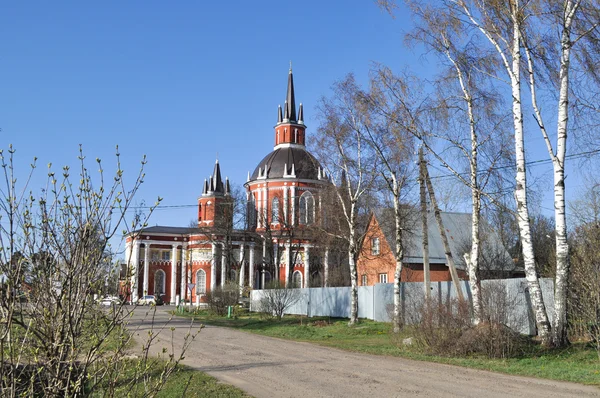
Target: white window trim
point(375, 246)
point(164, 282)
point(200, 288)
point(294, 277)
point(383, 278)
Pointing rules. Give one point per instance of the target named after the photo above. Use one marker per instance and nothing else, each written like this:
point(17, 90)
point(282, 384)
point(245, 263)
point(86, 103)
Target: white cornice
point(289, 145)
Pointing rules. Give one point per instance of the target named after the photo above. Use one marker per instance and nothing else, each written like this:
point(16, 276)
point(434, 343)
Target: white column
point(326, 268)
point(264, 256)
point(285, 205)
point(174, 273)
point(277, 263)
point(293, 220)
point(288, 262)
point(306, 266)
point(135, 266)
point(242, 267)
point(251, 265)
point(213, 267)
point(223, 264)
point(146, 267)
point(265, 207)
point(183, 273)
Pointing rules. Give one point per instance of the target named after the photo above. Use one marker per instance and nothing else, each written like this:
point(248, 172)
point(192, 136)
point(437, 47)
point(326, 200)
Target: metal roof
point(458, 232)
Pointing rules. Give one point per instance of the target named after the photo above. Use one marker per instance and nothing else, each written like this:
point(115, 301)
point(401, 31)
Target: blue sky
point(178, 81)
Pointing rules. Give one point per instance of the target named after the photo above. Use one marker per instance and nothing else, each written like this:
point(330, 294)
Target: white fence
point(374, 302)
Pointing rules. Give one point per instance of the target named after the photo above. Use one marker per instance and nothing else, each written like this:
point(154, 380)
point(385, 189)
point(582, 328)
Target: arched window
point(310, 208)
point(252, 211)
point(297, 279)
point(302, 209)
point(275, 210)
point(159, 282)
point(200, 282)
point(306, 211)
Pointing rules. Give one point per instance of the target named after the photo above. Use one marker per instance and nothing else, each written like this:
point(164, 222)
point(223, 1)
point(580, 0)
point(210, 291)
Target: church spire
point(216, 181)
point(291, 98)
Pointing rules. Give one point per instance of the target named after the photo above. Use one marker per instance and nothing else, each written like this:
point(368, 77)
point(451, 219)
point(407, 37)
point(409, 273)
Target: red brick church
point(283, 201)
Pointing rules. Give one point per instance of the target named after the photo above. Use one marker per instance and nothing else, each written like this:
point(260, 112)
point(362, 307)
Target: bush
point(222, 297)
point(494, 340)
point(442, 324)
point(445, 328)
point(276, 299)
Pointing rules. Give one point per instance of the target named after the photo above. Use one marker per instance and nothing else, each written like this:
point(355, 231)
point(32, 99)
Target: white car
point(110, 300)
point(149, 300)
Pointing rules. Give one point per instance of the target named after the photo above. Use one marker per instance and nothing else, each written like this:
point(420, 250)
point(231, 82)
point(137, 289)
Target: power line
point(529, 163)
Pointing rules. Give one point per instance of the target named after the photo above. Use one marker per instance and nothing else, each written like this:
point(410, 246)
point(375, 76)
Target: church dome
point(288, 161)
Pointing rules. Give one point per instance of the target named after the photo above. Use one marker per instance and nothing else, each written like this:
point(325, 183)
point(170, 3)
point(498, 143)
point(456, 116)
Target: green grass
point(200, 385)
point(578, 363)
point(184, 382)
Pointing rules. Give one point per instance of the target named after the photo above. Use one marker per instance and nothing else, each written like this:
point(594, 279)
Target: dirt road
point(268, 367)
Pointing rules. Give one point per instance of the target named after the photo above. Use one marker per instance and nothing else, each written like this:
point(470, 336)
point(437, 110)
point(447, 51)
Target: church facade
point(274, 243)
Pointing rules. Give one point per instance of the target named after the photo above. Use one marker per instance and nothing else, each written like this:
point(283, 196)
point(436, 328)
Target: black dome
point(306, 166)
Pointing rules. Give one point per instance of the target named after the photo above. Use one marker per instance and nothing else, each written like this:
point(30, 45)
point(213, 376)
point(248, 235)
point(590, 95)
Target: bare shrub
point(492, 339)
point(222, 297)
point(445, 328)
point(276, 299)
point(442, 324)
point(55, 251)
point(584, 295)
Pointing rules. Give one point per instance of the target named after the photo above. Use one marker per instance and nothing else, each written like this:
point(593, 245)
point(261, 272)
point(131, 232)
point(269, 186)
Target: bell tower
point(215, 202)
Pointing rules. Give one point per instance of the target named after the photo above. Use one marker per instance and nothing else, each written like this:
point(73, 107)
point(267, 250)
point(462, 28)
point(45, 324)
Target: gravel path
point(270, 367)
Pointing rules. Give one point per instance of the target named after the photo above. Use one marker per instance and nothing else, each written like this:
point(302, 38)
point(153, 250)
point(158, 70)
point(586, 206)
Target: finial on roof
point(279, 114)
point(227, 187)
point(290, 66)
point(286, 112)
point(301, 114)
point(205, 189)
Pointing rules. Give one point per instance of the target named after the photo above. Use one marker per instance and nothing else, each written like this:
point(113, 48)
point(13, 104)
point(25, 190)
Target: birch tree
point(542, 35)
point(348, 160)
point(393, 147)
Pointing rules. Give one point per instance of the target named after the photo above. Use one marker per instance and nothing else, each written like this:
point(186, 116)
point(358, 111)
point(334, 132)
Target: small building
point(377, 264)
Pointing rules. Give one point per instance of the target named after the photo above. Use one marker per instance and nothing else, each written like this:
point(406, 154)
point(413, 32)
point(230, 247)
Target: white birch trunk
point(535, 291)
point(399, 254)
point(561, 283)
point(352, 255)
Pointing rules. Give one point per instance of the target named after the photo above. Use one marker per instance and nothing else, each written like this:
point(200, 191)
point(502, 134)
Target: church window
point(297, 279)
point(159, 282)
point(306, 211)
point(200, 282)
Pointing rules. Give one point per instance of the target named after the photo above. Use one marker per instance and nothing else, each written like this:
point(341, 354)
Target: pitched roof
point(458, 231)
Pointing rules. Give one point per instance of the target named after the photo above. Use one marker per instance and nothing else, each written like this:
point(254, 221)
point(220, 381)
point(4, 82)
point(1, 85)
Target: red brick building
point(377, 264)
point(282, 202)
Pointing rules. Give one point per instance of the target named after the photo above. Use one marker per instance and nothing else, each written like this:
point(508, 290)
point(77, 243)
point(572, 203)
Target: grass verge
point(578, 363)
point(183, 382)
